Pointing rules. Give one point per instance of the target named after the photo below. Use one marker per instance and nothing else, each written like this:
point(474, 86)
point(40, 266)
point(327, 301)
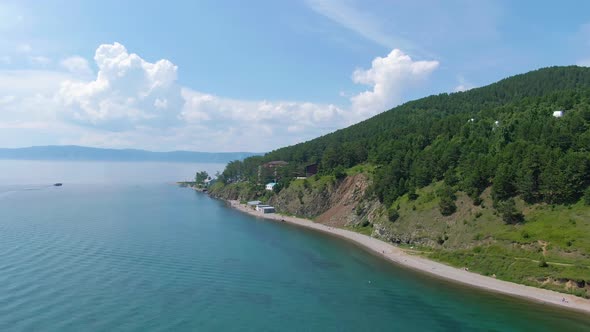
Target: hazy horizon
point(47, 172)
point(119, 149)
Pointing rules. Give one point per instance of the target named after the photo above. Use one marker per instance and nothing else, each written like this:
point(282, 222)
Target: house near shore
point(259, 207)
point(268, 209)
point(253, 204)
point(265, 208)
point(270, 186)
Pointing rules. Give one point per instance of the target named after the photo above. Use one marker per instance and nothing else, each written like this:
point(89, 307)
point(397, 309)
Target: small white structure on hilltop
point(558, 114)
point(496, 125)
point(270, 186)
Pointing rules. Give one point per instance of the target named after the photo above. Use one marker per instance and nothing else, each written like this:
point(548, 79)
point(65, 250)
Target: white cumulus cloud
point(276, 120)
point(388, 77)
point(127, 91)
point(131, 102)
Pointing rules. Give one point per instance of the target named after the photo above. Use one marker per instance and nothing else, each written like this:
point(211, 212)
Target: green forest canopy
point(503, 135)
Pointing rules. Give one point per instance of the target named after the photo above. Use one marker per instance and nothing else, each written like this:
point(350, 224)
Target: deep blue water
point(150, 256)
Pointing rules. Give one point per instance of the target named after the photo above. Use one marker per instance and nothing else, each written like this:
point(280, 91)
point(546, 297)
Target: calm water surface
point(143, 255)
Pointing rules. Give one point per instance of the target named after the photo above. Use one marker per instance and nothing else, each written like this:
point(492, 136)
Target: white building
point(268, 209)
point(265, 208)
point(270, 185)
point(558, 114)
point(260, 207)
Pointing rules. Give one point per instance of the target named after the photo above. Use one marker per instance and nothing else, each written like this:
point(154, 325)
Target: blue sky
point(226, 76)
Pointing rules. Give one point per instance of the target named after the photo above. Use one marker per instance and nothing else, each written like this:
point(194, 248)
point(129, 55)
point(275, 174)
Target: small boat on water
point(58, 184)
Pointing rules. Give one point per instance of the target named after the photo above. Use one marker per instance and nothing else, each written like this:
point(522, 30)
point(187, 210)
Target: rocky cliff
point(335, 202)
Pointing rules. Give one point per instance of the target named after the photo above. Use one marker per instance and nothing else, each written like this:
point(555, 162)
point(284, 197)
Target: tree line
point(503, 135)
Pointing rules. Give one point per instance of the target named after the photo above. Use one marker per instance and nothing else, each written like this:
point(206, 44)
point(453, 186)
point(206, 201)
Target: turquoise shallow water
point(154, 257)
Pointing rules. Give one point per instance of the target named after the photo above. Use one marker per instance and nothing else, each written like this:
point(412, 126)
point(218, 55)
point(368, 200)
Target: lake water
point(118, 248)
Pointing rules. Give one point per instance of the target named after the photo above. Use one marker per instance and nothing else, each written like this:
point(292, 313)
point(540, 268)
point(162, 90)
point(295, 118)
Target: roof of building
point(275, 163)
point(558, 113)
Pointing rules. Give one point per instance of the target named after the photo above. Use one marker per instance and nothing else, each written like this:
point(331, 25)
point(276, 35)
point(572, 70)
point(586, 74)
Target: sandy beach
point(399, 256)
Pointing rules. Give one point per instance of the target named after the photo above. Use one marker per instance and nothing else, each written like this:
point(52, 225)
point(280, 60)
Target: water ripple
point(164, 259)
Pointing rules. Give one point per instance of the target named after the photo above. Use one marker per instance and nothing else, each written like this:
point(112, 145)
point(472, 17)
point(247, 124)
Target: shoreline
point(401, 258)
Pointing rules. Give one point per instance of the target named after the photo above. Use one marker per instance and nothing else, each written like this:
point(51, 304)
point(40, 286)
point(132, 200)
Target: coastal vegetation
point(202, 178)
point(495, 179)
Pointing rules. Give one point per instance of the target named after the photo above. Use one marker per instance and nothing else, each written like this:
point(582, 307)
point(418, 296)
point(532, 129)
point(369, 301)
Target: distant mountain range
point(81, 153)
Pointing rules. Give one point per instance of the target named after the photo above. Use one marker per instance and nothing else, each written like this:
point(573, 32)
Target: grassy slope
point(475, 237)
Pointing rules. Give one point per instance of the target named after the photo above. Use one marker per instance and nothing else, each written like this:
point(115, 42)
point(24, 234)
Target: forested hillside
point(487, 179)
point(504, 135)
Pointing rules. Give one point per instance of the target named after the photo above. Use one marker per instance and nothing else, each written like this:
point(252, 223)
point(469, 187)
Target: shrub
point(447, 201)
point(339, 173)
point(543, 262)
point(358, 210)
point(447, 206)
point(412, 195)
point(509, 213)
point(278, 187)
point(392, 214)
